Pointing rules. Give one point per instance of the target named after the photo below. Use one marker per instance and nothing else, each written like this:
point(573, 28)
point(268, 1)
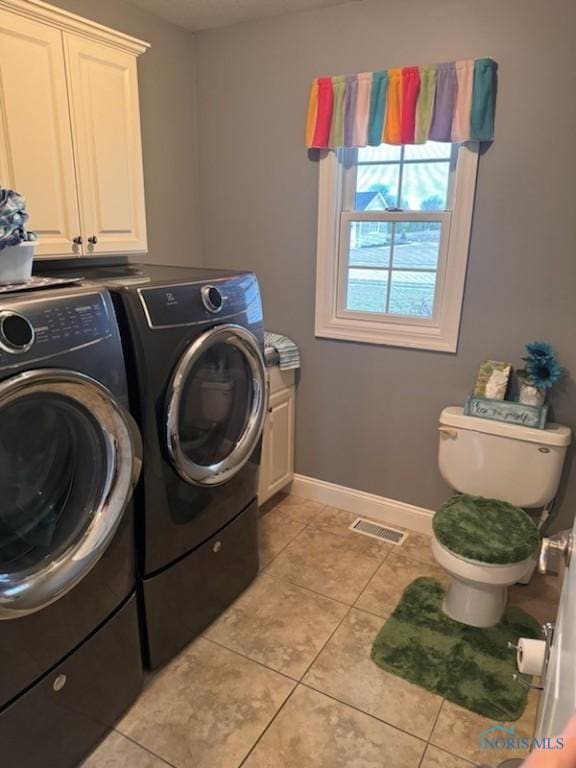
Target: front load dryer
point(194, 342)
point(70, 455)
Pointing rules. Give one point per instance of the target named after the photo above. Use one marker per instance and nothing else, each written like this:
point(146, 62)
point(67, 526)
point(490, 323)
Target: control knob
point(16, 332)
point(212, 298)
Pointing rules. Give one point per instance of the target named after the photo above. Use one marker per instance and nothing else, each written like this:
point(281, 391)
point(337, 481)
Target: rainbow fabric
point(452, 102)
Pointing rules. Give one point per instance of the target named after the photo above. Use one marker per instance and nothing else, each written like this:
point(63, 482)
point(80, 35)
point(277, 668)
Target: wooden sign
point(507, 410)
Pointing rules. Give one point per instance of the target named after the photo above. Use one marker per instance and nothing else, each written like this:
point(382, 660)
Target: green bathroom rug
point(471, 667)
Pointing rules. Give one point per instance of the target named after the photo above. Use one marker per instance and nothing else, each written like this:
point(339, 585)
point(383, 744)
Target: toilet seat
point(476, 570)
point(485, 531)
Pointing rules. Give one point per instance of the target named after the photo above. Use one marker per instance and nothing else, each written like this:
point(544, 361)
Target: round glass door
point(69, 457)
point(216, 405)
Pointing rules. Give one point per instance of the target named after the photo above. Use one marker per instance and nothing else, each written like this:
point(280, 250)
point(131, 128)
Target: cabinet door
point(278, 446)
point(106, 129)
point(35, 139)
point(263, 494)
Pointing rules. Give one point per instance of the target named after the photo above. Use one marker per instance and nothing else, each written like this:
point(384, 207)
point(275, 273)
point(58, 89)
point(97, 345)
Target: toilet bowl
point(478, 592)
point(487, 541)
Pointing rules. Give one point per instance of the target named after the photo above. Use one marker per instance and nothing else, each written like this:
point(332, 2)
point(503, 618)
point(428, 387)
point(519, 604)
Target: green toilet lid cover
point(487, 530)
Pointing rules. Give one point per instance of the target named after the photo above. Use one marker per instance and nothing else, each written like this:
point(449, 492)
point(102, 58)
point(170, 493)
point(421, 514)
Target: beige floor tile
point(325, 563)
point(297, 508)
point(539, 598)
point(417, 546)
point(345, 670)
point(438, 758)
point(274, 534)
point(314, 731)
point(338, 522)
point(272, 502)
point(207, 708)
point(384, 590)
point(278, 624)
point(116, 751)
point(458, 731)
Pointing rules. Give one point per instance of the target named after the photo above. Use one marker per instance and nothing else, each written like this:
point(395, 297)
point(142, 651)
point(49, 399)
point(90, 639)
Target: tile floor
point(284, 679)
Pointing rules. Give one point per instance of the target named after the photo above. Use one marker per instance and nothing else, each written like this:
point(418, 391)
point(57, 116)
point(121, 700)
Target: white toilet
point(484, 544)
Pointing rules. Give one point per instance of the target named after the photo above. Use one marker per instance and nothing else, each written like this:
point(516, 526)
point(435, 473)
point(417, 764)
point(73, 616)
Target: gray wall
point(167, 83)
point(367, 414)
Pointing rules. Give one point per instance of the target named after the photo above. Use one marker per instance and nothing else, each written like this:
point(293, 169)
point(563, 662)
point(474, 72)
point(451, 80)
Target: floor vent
point(382, 532)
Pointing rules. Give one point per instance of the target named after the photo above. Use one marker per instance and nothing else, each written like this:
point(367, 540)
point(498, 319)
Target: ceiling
point(204, 14)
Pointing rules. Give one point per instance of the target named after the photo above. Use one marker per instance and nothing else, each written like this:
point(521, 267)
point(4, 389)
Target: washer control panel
point(35, 328)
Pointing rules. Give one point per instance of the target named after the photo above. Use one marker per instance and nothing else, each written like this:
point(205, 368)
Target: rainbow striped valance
point(410, 105)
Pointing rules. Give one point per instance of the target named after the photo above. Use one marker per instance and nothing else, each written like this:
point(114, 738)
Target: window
point(393, 235)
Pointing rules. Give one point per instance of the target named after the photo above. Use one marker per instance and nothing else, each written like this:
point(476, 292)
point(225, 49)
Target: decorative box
point(507, 410)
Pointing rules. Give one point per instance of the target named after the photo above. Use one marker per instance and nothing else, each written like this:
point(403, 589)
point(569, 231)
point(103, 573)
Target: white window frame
point(335, 212)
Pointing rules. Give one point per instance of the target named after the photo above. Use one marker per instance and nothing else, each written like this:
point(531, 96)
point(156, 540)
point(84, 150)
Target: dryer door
point(217, 403)
point(69, 458)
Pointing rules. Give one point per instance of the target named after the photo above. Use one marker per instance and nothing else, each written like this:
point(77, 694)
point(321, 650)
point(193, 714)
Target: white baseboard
point(365, 504)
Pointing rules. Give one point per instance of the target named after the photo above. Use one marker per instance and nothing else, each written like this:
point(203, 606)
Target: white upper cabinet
point(106, 130)
point(70, 130)
point(35, 140)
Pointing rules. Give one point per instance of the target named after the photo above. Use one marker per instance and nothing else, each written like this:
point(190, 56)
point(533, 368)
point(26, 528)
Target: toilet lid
point(487, 530)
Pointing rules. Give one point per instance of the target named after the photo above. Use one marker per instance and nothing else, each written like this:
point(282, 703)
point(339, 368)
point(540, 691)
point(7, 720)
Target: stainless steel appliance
point(194, 343)
point(70, 455)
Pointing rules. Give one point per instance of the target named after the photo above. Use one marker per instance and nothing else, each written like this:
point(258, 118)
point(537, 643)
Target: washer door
point(69, 458)
point(216, 405)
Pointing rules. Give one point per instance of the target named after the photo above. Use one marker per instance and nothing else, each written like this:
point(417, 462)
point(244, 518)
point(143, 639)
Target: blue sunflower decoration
point(542, 369)
point(539, 349)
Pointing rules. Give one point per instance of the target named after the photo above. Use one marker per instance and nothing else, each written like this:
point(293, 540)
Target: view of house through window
point(392, 261)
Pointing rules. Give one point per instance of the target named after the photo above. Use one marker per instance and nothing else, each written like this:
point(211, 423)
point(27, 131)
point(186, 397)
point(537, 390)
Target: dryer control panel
point(171, 306)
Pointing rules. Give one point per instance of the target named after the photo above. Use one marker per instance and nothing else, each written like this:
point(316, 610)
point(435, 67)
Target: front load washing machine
point(70, 455)
point(194, 345)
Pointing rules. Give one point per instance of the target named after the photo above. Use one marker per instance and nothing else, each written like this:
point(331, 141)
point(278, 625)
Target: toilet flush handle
point(554, 550)
point(448, 432)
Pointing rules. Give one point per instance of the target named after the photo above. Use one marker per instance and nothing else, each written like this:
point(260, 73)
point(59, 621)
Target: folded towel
point(288, 352)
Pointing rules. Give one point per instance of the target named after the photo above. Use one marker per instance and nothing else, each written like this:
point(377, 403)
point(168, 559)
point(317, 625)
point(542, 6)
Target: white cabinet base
point(277, 463)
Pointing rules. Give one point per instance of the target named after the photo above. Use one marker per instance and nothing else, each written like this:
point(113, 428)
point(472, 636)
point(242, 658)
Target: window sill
point(393, 335)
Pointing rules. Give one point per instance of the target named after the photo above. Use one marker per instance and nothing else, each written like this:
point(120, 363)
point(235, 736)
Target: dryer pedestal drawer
point(181, 601)
point(62, 718)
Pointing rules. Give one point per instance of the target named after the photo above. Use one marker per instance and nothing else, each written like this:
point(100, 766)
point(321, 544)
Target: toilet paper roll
point(530, 656)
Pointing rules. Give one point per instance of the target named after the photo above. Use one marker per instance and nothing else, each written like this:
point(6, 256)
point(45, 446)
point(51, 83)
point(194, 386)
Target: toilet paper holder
point(548, 632)
point(525, 684)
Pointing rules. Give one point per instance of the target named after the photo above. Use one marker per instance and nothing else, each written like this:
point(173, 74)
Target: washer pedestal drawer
point(64, 716)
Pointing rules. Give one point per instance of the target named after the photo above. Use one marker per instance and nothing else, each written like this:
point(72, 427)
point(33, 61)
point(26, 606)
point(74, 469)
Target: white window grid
point(336, 212)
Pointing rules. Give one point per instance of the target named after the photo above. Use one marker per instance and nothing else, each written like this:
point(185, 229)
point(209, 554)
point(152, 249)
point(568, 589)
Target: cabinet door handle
point(78, 240)
point(93, 240)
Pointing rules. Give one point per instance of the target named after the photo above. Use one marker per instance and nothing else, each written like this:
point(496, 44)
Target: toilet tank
point(501, 461)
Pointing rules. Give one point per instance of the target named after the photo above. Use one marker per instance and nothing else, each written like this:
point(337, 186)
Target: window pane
point(370, 243)
point(417, 244)
point(425, 186)
point(432, 150)
point(385, 152)
point(377, 187)
point(367, 290)
point(412, 293)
